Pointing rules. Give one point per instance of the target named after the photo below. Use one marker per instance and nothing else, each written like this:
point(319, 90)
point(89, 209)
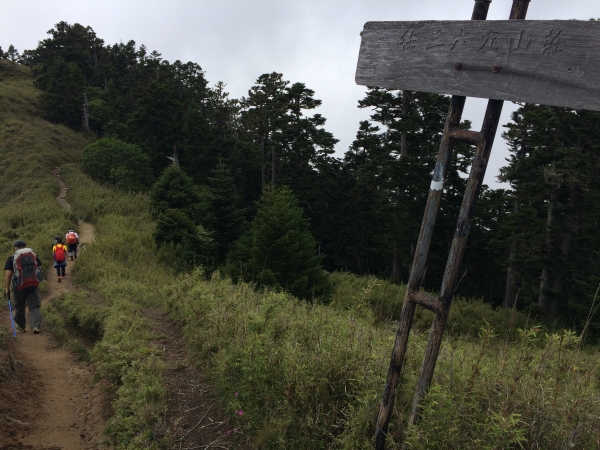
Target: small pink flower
point(237, 393)
point(228, 432)
point(240, 413)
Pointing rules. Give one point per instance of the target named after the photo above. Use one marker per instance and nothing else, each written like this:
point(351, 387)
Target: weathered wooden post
point(86, 113)
point(549, 62)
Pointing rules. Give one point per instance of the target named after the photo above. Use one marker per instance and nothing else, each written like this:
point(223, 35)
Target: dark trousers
point(72, 250)
point(28, 297)
point(60, 268)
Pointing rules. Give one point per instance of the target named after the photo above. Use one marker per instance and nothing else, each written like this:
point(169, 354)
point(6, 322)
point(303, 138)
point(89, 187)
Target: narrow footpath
point(48, 399)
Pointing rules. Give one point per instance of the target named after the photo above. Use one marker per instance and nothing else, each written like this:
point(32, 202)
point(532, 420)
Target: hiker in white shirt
point(72, 240)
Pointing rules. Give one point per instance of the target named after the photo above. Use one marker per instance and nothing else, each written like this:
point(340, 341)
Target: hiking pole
point(12, 319)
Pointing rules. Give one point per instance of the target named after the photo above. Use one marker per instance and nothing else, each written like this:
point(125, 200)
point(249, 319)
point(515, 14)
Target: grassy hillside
point(30, 148)
point(293, 374)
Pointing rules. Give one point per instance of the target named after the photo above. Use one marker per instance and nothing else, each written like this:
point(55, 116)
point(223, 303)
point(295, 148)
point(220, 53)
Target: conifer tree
point(395, 160)
point(189, 241)
point(262, 116)
point(288, 143)
point(555, 179)
point(13, 54)
point(73, 44)
point(278, 250)
point(176, 190)
point(226, 217)
point(62, 99)
point(154, 124)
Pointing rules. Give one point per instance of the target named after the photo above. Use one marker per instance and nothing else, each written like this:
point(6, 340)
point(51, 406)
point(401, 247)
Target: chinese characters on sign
point(553, 62)
point(486, 40)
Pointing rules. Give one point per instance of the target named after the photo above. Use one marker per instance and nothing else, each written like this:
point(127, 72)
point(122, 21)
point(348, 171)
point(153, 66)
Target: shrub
point(116, 162)
point(382, 300)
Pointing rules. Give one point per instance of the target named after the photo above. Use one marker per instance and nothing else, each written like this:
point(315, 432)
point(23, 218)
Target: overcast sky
point(312, 41)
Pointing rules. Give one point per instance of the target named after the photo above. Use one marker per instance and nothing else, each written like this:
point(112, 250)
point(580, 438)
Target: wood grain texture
point(553, 62)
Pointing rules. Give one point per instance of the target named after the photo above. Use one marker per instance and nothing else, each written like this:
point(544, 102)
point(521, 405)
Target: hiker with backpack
point(22, 272)
point(59, 253)
point(72, 240)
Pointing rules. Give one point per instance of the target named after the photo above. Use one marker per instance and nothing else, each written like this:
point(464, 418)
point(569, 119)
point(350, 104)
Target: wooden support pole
point(466, 136)
point(480, 10)
point(452, 134)
point(424, 300)
point(459, 243)
point(444, 157)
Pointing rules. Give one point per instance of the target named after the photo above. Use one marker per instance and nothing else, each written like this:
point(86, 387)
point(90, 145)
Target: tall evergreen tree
point(13, 54)
point(395, 161)
point(189, 241)
point(278, 250)
point(554, 177)
point(288, 144)
point(62, 100)
point(226, 217)
point(154, 124)
point(176, 190)
point(74, 44)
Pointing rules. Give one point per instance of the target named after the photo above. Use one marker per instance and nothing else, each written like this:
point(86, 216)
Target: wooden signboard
point(547, 62)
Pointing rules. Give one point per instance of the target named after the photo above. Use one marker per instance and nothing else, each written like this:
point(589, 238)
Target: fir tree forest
point(257, 194)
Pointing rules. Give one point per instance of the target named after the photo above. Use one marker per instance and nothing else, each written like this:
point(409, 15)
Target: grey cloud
point(312, 41)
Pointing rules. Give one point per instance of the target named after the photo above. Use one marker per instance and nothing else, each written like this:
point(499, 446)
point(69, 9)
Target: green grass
point(310, 376)
point(76, 321)
point(123, 267)
point(382, 301)
point(306, 376)
point(30, 148)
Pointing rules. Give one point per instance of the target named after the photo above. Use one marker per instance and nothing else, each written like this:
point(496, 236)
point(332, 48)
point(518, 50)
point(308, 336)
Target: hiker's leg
point(19, 299)
point(62, 269)
point(34, 303)
point(57, 267)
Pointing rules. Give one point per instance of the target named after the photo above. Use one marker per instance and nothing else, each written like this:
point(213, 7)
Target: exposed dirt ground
point(49, 400)
point(193, 417)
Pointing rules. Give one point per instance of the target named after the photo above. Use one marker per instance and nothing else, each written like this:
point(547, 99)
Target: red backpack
point(25, 269)
point(71, 238)
point(59, 253)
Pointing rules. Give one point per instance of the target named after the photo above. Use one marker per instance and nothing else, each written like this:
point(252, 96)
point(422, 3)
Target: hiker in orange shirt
point(59, 251)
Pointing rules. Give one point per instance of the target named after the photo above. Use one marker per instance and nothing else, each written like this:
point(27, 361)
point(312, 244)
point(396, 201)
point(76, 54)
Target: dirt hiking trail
point(48, 399)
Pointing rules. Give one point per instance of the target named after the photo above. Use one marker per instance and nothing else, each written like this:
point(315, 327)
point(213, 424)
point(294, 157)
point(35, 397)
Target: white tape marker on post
point(436, 185)
point(437, 181)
